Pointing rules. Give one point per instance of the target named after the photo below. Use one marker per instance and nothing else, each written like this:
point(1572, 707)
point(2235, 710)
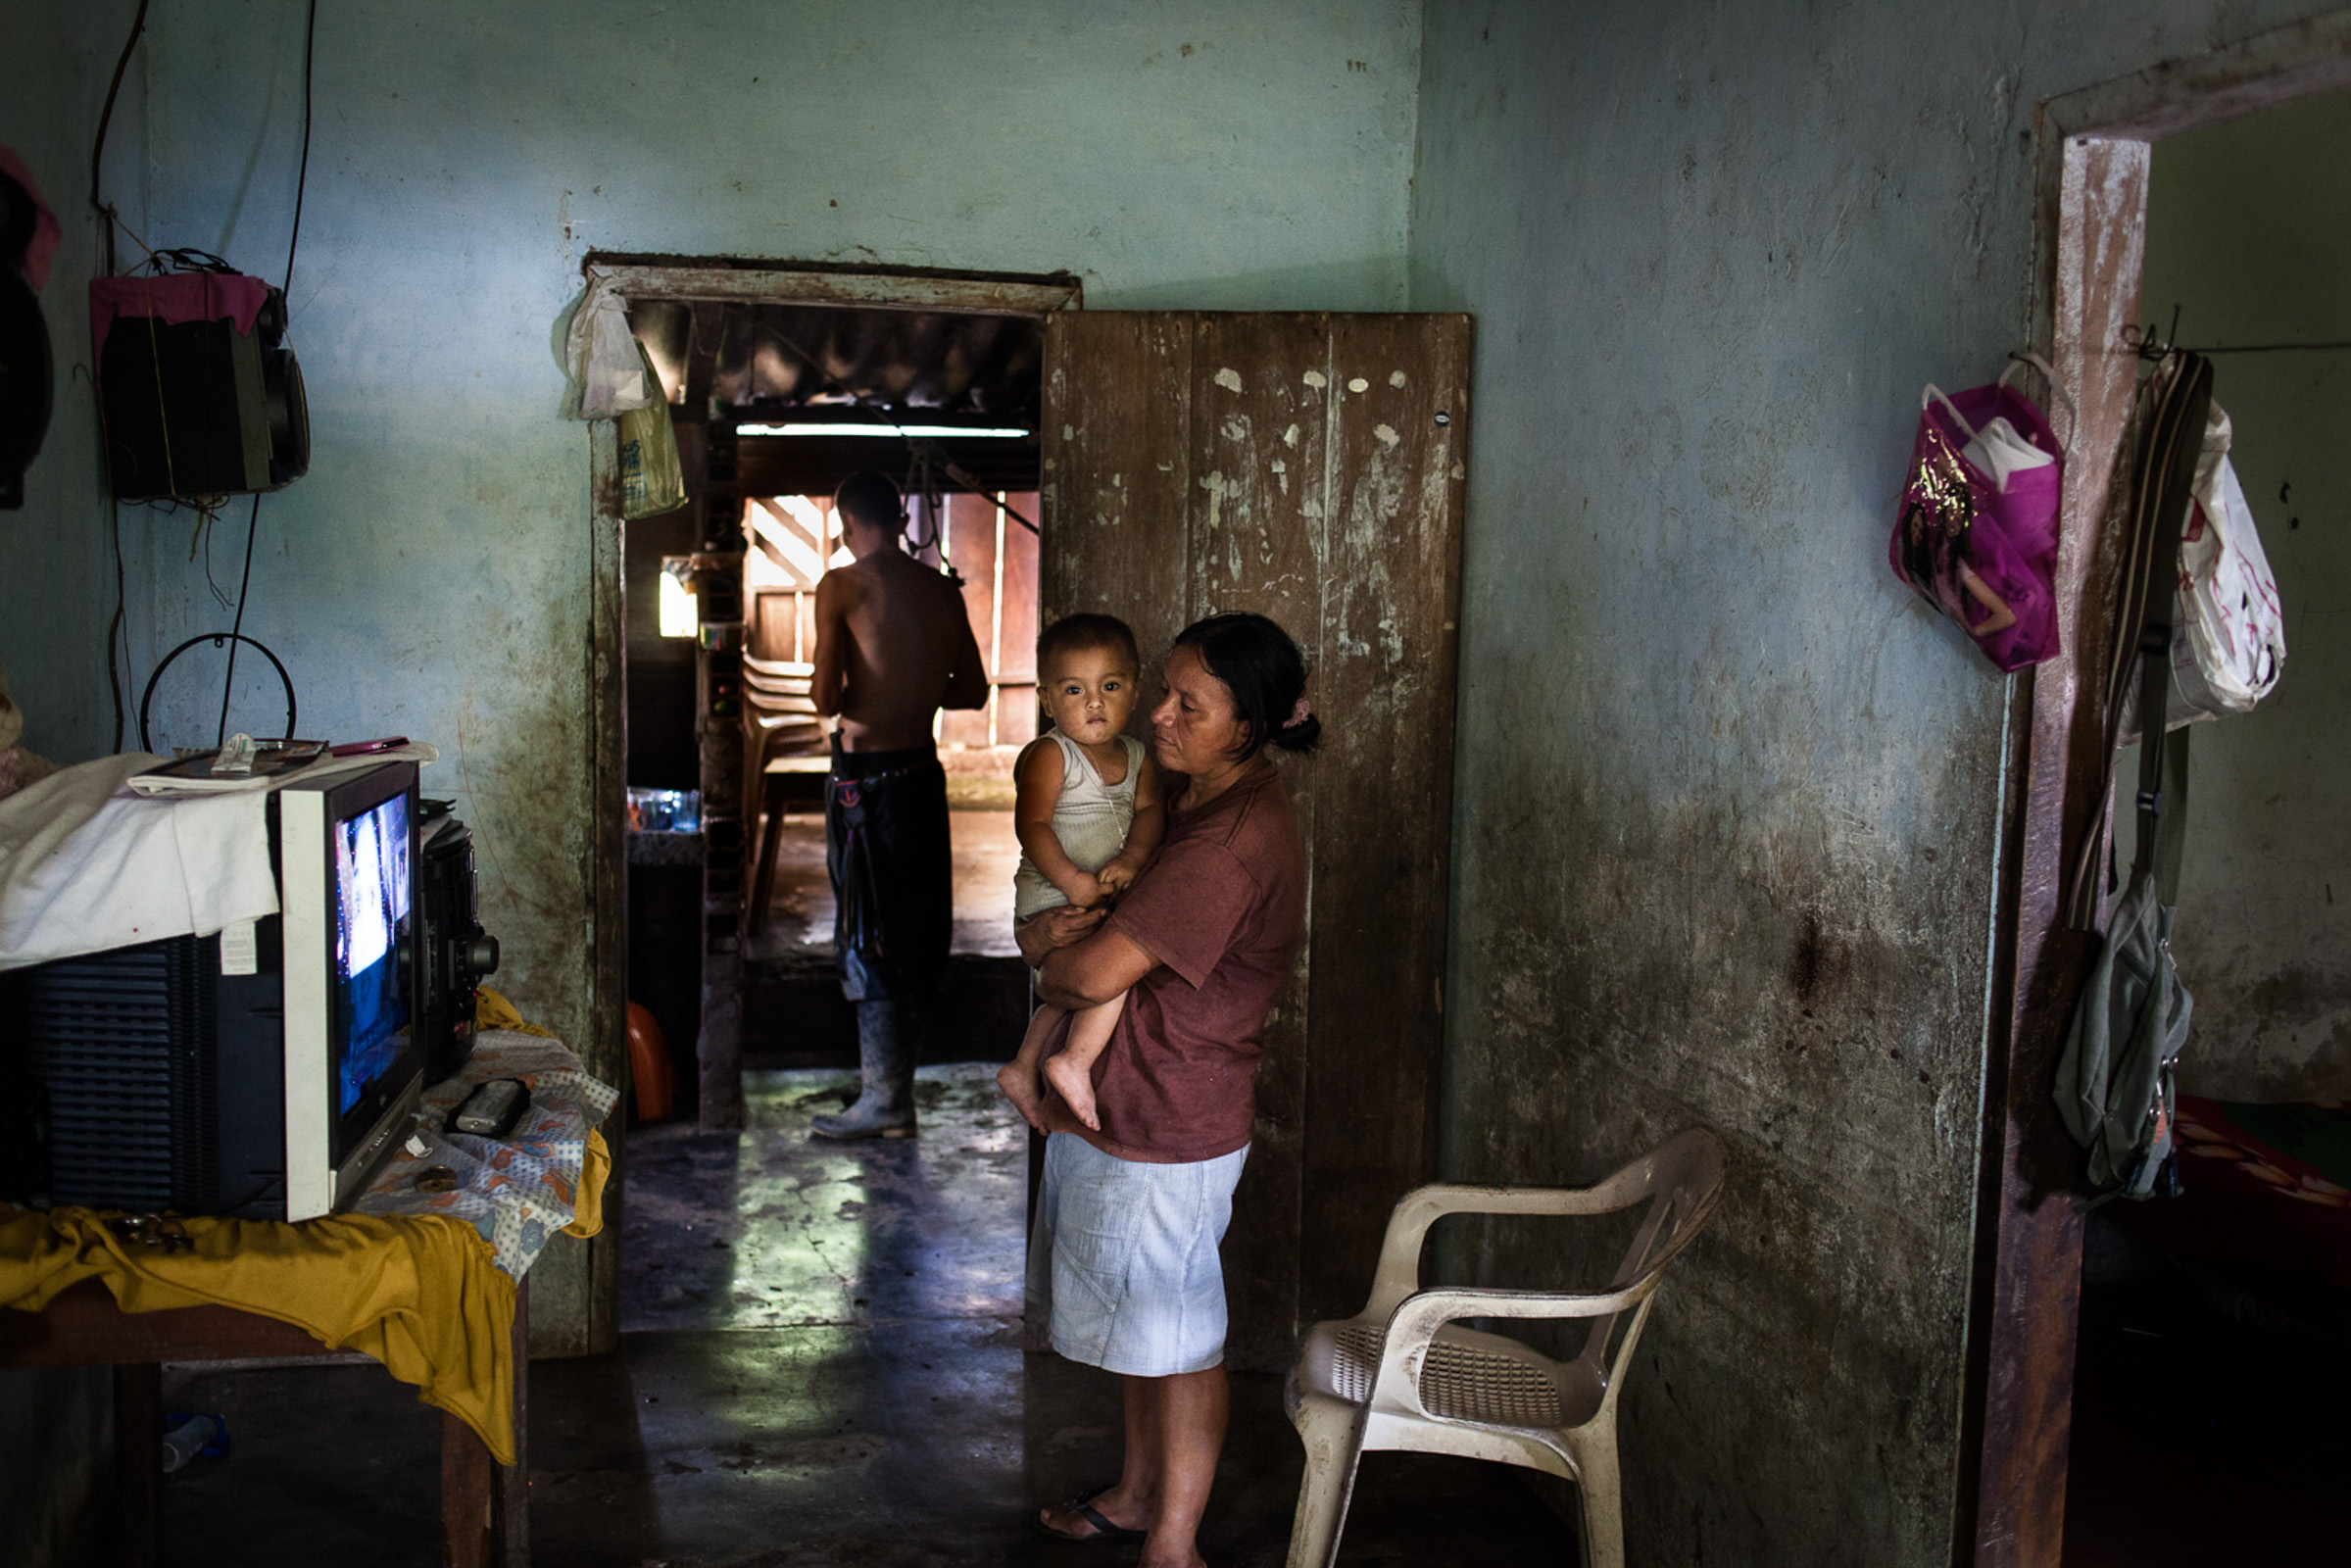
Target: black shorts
point(886, 849)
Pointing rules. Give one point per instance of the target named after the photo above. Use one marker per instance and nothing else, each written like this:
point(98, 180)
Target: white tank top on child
point(1090, 819)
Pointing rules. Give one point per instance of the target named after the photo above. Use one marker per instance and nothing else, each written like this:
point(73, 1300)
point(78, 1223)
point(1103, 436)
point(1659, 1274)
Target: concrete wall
point(1728, 795)
point(2250, 232)
point(430, 576)
point(56, 1427)
point(57, 583)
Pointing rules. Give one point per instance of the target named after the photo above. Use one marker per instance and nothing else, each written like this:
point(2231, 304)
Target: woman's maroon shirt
point(1222, 907)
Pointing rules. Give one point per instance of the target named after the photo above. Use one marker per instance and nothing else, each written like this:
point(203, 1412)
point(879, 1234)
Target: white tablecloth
point(85, 865)
point(88, 861)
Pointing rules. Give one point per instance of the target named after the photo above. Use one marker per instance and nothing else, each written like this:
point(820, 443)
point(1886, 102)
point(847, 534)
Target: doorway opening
point(781, 384)
point(2096, 149)
point(1308, 467)
point(2231, 1297)
point(793, 1015)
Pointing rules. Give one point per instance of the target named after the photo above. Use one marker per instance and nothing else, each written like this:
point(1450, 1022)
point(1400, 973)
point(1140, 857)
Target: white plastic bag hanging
point(602, 355)
point(2228, 638)
point(2231, 615)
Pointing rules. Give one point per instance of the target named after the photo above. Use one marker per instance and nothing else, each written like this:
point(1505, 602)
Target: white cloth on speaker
point(86, 866)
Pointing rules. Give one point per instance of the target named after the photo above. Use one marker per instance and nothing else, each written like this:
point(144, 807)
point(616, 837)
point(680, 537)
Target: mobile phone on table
point(364, 748)
point(493, 1108)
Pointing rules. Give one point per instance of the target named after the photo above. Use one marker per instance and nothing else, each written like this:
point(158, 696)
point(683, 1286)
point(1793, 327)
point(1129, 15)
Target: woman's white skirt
point(1123, 1265)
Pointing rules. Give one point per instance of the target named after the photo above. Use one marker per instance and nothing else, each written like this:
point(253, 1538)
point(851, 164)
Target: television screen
point(371, 914)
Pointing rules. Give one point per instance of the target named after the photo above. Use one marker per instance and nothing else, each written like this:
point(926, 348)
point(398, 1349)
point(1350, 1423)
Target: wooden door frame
point(711, 281)
point(2092, 153)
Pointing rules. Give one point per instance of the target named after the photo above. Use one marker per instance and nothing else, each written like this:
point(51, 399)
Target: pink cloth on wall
point(45, 231)
point(173, 298)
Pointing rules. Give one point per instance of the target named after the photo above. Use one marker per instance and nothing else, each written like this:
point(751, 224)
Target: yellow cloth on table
point(421, 1294)
point(493, 1011)
point(587, 1204)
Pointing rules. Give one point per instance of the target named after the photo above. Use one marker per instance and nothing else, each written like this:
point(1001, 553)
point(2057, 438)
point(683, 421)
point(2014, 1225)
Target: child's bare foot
point(1075, 1085)
point(1020, 1088)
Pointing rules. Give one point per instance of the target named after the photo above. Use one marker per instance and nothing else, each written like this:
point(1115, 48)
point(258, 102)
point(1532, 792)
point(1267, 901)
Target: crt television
point(265, 1071)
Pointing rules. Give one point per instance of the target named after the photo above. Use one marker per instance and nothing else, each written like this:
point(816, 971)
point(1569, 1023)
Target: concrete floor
point(820, 1364)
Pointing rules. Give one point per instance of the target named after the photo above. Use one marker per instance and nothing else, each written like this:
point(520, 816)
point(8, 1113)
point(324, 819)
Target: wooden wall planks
point(1257, 531)
point(1293, 466)
point(1384, 811)
point(1117, 470)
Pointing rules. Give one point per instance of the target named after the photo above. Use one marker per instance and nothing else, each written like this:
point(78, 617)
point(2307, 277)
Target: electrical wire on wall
point(118, 635)
point(139, 26)
point(118, 639)
point(302, 179)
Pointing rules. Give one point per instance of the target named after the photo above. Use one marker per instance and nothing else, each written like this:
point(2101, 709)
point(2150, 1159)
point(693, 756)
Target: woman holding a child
point(1124, 1264)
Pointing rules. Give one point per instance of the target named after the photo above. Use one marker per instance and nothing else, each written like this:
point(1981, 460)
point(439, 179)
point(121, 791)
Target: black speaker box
point(200, 409)
point(458, 953)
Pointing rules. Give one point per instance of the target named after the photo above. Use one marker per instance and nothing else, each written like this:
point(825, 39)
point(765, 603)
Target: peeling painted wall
point(2250, 232)
point(1727, 795)
point(430, 576)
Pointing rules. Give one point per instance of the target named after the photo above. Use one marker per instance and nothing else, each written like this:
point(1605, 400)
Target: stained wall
point(1727, 806)
point(2249, 233)
point(430, 577)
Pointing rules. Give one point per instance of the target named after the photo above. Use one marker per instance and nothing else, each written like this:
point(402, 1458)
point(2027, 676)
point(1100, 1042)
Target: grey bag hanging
point(2114, 1086)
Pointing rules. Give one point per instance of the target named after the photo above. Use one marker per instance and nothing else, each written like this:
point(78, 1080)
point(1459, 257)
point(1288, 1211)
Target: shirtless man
point(893, 646)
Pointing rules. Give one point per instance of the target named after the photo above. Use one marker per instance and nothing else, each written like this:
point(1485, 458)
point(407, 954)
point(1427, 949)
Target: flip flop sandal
point(1104, 1529)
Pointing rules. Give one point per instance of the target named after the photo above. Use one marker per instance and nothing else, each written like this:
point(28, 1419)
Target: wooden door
point(1308, 468)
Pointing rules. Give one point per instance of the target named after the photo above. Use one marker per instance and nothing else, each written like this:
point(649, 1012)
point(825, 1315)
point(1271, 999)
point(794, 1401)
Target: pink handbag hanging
point(1978, 531)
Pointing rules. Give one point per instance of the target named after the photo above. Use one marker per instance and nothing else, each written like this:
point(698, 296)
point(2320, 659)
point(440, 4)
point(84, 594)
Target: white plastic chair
point(1399, 1376)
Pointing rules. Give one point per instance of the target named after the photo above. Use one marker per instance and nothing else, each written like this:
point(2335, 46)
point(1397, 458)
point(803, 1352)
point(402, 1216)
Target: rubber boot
point(886, 1052)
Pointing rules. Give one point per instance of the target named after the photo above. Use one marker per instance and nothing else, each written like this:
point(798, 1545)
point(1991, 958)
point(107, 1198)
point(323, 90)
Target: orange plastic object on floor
point(648, 1066)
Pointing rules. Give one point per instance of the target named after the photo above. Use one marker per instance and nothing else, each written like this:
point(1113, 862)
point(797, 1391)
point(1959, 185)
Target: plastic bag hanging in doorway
point(606, 367)
point(2229, 640)
point(652, 481)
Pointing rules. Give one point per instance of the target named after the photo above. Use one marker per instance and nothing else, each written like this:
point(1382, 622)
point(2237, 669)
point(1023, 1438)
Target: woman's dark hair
point(1071, 633)
point(1263, 670)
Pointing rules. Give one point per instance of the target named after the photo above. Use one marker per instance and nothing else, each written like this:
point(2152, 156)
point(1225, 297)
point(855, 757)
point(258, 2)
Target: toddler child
point(1087, 808)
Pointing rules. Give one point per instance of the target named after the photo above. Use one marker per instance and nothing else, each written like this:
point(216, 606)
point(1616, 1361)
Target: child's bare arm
point(1036, 791)
point(1143, 834)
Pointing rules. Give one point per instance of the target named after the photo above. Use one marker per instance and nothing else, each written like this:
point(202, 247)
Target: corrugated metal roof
point(774, 359)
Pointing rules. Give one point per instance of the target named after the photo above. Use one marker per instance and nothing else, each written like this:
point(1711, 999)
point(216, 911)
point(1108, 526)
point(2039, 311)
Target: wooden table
point(485, 1507)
